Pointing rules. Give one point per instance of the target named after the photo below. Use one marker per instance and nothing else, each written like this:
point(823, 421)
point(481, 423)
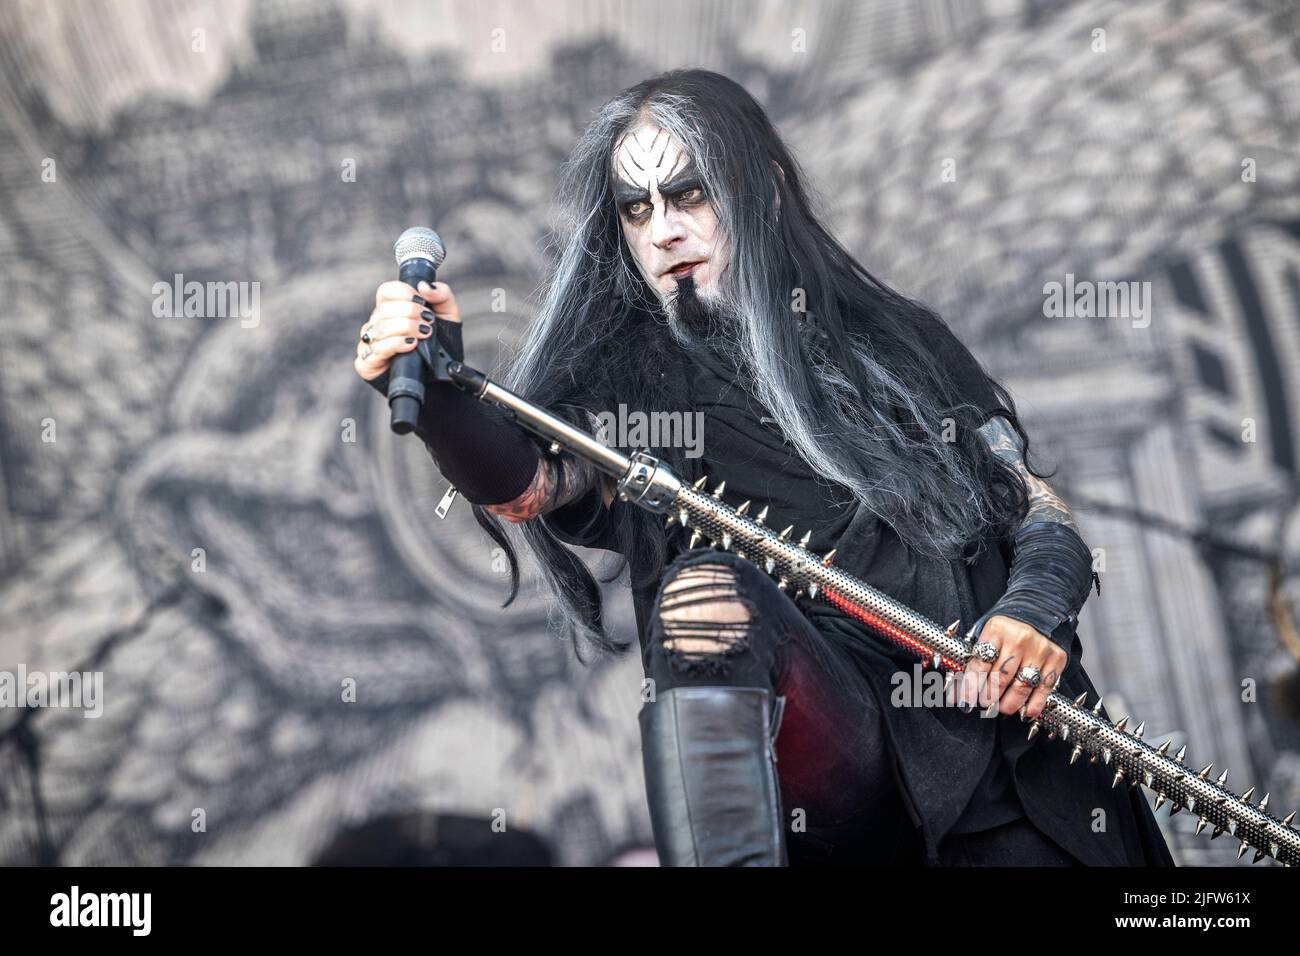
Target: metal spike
point(798, 594)
point(936, 660)
point(1201, 825)
point(1245, 797)
point(1241, 850)
point(812, 589)
point(1065, 731)
point(1164, 747)
point(1074, 754)
point(783, 583)
point(726, 541)
point(1223, 778)
point(828, 557)
point(1092, 759)
point(701, 483)
point(683, 517)
point(1182, 752)
point(807, 536)
point(1096, 708)
point(1215, 832)
point(1078, 701)
point(1259, 855)
point(1191, 803)
point(762, 516)
point(1263, 804)
point(743, 509)
point(1148, 778)
point(1286, 822)
point(1232, 826)
point(695, 538)
point(769, 565)
point(785, 535)
point(1105, 756)
point(1160, 799)
point(951, 629)
point(1272, 850)
point(1174, 807)
point(669, 522)
point(1123, 722)
point(717, 492)
point(1204, 771)
point(1114, 781)
point(1140, 727)
point(1033, 729)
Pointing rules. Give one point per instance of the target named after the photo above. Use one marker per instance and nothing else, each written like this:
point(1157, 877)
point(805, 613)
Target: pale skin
point(665, 214)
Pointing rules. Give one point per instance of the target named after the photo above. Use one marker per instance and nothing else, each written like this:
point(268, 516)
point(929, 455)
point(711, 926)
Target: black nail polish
point(424, 329)
point(409, 340)
point(419, 300)
point(427, 316)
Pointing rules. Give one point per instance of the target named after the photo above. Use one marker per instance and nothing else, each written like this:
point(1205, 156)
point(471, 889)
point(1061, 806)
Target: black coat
point(942, 754)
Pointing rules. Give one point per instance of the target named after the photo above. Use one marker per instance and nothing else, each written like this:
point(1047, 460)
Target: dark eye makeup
point(688, 194)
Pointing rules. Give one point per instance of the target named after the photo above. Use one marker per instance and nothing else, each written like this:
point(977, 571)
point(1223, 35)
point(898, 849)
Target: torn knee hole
point(705, 619)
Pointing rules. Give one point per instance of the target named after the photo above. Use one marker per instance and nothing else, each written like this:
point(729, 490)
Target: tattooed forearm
point(556, 483)
point(1044, 503)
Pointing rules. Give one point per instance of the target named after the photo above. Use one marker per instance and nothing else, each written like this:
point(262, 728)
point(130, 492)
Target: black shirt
point(950, 761)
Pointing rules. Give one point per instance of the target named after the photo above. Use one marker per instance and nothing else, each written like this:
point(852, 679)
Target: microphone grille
point(420, 243)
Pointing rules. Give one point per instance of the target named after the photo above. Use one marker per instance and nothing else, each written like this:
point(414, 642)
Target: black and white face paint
point(668, 221)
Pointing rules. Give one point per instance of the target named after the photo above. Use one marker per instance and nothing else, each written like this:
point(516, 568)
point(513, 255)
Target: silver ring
point(365, 335)
point(985, 651)
point(1030, 675)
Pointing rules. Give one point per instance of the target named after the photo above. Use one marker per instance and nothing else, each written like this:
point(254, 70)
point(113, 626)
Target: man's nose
point(666, 227)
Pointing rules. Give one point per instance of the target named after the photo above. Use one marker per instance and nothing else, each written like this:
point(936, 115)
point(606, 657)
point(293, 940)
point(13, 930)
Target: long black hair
point(867, 405)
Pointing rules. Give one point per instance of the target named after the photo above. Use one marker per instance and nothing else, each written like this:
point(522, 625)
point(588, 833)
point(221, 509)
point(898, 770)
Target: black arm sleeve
point(480, 449)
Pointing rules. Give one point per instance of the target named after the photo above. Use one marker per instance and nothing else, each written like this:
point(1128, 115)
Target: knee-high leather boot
point(710, 771)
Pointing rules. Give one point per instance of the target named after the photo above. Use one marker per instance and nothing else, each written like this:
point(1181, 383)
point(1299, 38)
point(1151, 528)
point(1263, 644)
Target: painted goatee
point(691, 318)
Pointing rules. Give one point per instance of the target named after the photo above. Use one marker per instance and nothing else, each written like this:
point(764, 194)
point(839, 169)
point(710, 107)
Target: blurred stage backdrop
point(183, 506)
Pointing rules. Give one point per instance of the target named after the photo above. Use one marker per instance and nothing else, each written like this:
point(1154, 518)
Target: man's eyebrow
point(625, 192)
point(686, 179)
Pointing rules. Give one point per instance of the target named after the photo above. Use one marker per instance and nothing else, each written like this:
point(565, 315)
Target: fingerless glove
point(1051, 573)
point(479, 448)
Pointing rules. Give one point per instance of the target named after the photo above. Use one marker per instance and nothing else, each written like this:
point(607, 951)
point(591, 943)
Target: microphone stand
point(648, 483)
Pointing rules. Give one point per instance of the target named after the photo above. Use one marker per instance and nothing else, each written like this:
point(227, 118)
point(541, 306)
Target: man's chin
point(693, 313)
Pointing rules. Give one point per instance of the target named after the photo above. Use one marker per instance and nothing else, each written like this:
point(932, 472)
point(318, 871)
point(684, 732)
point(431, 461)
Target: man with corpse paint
point(692, 274)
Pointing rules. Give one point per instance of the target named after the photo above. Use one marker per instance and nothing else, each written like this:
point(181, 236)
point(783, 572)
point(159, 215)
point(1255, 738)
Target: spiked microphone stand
point(645, 481)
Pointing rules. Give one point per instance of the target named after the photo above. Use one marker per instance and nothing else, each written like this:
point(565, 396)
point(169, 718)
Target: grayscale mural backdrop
point(213, 513)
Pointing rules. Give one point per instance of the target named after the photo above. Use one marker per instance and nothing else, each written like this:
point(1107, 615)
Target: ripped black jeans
point(718, 619)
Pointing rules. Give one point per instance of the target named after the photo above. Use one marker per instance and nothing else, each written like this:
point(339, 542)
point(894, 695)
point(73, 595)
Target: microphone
point(419, 252)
